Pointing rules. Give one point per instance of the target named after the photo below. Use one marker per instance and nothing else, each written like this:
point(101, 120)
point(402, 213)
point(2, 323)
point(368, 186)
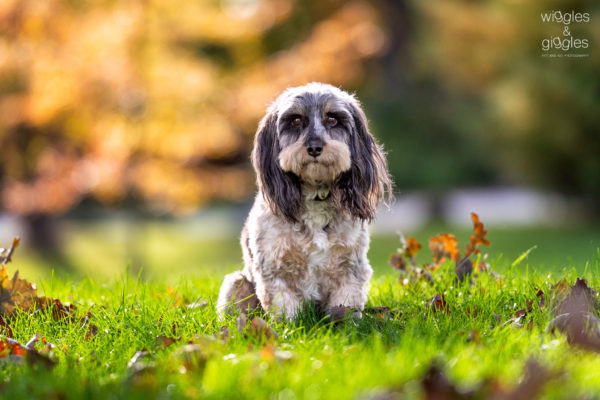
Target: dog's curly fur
point(306, 237)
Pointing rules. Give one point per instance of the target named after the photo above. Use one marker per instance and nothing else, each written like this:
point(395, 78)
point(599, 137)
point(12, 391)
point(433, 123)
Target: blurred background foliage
point(152, 104)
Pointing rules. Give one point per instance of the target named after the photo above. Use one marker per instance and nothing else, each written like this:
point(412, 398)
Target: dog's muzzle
point(314, 147)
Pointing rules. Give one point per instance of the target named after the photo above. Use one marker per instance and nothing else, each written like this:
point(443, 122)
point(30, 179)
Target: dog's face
point(316, 135)
point(314, 130)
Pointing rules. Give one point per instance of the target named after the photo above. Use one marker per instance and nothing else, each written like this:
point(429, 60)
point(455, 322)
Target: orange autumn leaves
point(444, 247)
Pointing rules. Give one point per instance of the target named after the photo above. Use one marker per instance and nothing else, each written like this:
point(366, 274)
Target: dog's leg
point(277, 297)
point(350, 294)
point(237, 294)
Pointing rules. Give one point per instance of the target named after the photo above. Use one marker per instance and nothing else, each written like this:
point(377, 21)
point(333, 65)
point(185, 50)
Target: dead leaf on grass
point(91, 332)
point(464, 268)
point(163, 341)
point(576, 317)
point(140, 356)
point(259, 328)
point(383, 312)
point(193, 357)
point(341, 313)
point(12, 351)
point(517, 320)
point(6, 254)
point(444, 247)
point(474, 336)
point(497, 317)
point(542, 300)
point(408, 252)
point(198, 304)
point(58, 309)
point(536, 377)
point(15, 293)
point(478, 238)
point(437, 386)
point(579, 298)
point(31, 343)
point(581, 329)
point(438, 303)
point(5, 328)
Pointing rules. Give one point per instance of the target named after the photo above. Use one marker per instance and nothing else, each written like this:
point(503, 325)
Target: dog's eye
point(331, 121)
point(297, 122)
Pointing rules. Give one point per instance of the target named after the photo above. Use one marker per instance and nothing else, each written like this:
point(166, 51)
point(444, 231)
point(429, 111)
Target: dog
point(320, 176)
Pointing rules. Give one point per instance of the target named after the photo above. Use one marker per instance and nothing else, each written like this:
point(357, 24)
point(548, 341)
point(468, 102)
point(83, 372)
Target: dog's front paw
point(285, 305)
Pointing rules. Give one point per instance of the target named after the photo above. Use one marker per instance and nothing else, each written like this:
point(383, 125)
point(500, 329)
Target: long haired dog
point(320, 175)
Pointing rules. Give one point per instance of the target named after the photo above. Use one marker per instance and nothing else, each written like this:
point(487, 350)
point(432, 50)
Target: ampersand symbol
point(566, 31)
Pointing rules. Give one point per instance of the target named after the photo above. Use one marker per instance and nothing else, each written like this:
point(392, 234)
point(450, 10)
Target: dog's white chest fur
point(315, 222)
point(318, 251)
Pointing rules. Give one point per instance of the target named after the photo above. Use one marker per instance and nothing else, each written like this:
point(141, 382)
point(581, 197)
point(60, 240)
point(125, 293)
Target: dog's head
point(316, 136)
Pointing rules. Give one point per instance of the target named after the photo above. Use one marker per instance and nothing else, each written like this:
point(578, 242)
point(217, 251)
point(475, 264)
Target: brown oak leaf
point(15, 293)
point(444, 247)
point(478, 238)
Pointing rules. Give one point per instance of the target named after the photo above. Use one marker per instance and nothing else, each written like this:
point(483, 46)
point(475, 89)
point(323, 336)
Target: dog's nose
point(314, 148)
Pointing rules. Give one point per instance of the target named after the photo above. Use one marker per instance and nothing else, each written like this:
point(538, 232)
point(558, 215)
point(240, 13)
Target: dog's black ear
point(359, 189)
point(281, 190)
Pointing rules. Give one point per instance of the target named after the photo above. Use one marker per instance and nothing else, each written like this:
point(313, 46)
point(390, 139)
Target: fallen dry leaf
point(163, 341)
point(14, 352)
point(498, 318)
point(91, 332)
point(576, 317)
point(529, 304)
point(438, 303)
point(383, 312)
point(581, 328)
point(31, 342)
point(198, 304)
point(412, 248)
point(478, 238)
point(579, 298)
point(223, 333)
point(474, 336)
point(517, 320)
point(259, 328)
point(142, 370)
point(5, 328)
point(6, 254)
point(192, 357)
point(542, 301)
point(437, 387)
point(397, 261)
point(241, 322)
point(408, 251)
point(341, 313)
point(59, 310)
point(536, 377)
point(444, 247)
point(15, 293)
point(139, 357)
point(464, 268)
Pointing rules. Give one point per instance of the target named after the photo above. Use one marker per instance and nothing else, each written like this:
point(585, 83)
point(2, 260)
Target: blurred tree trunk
point(396, 59)
point(43, 233)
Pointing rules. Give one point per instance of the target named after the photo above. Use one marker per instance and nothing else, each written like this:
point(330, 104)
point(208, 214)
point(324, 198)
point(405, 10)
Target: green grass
point(313, 359)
